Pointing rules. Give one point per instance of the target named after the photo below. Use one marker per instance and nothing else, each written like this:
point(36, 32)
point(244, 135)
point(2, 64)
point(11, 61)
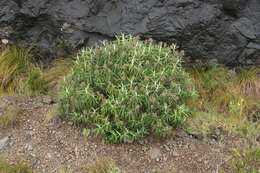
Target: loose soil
point(51, 145)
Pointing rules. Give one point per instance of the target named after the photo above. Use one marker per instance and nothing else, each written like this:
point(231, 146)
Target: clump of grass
point(52, 113)
point(15, 63)
point(246, 161)
point(10, 116)
point(35, 83)
point(5, 167)
point(18, 75)
point(225, 101)
point(249, 82)
point(127, 89)
point(56, 72)
point(64, 170)
point(103, 165)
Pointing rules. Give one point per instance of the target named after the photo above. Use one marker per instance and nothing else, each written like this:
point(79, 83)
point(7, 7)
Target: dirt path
point(49, 146)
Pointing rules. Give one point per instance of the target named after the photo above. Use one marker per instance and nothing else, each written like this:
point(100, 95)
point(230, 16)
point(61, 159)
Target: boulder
point(225, 30)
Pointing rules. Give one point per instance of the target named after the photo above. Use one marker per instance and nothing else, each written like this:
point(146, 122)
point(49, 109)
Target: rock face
point(227, 31)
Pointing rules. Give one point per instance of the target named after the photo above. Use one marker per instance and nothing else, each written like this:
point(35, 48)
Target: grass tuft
point(226, 100)
point(249, 82)
point(103, 165)
point(10, 116)
point(15, 64)
point(14, 168)
point(246, 161)
point(18, 75)
point(55, 73)
point(35, 83)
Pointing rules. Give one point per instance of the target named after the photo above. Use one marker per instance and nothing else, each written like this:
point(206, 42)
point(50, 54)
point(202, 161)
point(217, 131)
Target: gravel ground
point(51, 145)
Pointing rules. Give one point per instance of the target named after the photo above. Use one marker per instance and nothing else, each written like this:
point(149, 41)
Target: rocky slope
point(227, 31)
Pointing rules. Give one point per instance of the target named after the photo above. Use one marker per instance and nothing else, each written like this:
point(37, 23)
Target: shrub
point(127, 89)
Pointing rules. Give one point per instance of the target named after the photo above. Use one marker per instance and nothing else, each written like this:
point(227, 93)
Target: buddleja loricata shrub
point(127, 89)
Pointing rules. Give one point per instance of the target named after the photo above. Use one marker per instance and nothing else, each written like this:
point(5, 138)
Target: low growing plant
point(127, 89)
point(14, 168)
point(35, 83)
point(57, 70)
point(103, 165)
point(246, 161)
point(10, 117)
point(227, 100)
point(15, 63)
point(18, 75)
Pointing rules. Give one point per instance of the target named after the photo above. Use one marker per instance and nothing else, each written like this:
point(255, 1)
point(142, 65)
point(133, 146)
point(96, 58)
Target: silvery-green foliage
point(127, 89)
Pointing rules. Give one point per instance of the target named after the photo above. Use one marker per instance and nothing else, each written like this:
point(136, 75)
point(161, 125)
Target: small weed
point(64, 170)
point(14, 168)
point(10, 117)
point(35, 84)
point(52, 113)
point(246, 161)
point(86, 132)
point(103, 165)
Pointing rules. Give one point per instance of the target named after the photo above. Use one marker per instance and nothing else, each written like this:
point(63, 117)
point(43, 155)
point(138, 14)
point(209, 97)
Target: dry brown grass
point(226, 100)
point(56, 72)
point(102, 165)
point(15, 65)
point(249, 82)
point(10, 117)
point(6, 167)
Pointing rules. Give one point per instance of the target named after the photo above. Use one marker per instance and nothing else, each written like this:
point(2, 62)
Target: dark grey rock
point(210, 29)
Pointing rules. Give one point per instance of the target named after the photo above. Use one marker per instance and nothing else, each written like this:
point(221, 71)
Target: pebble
point(28, 147)
point(155, 153)
point(167, 148)
point(175, 154)
point(47, 100)
point(5, 41)
point(4, 142)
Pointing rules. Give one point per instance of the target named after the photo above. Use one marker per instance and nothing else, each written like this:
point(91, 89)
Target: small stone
point(4, 142)
point(175, 154)
point(33, 155)
point(5, 41)
point(167, 148)
point(164, 159)
point(155, 153)
point(47, 100)
point(206, 162)
point(49, 155)
point(28, 147)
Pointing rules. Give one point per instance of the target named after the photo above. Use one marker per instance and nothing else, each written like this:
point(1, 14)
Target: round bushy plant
point(127, 89)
